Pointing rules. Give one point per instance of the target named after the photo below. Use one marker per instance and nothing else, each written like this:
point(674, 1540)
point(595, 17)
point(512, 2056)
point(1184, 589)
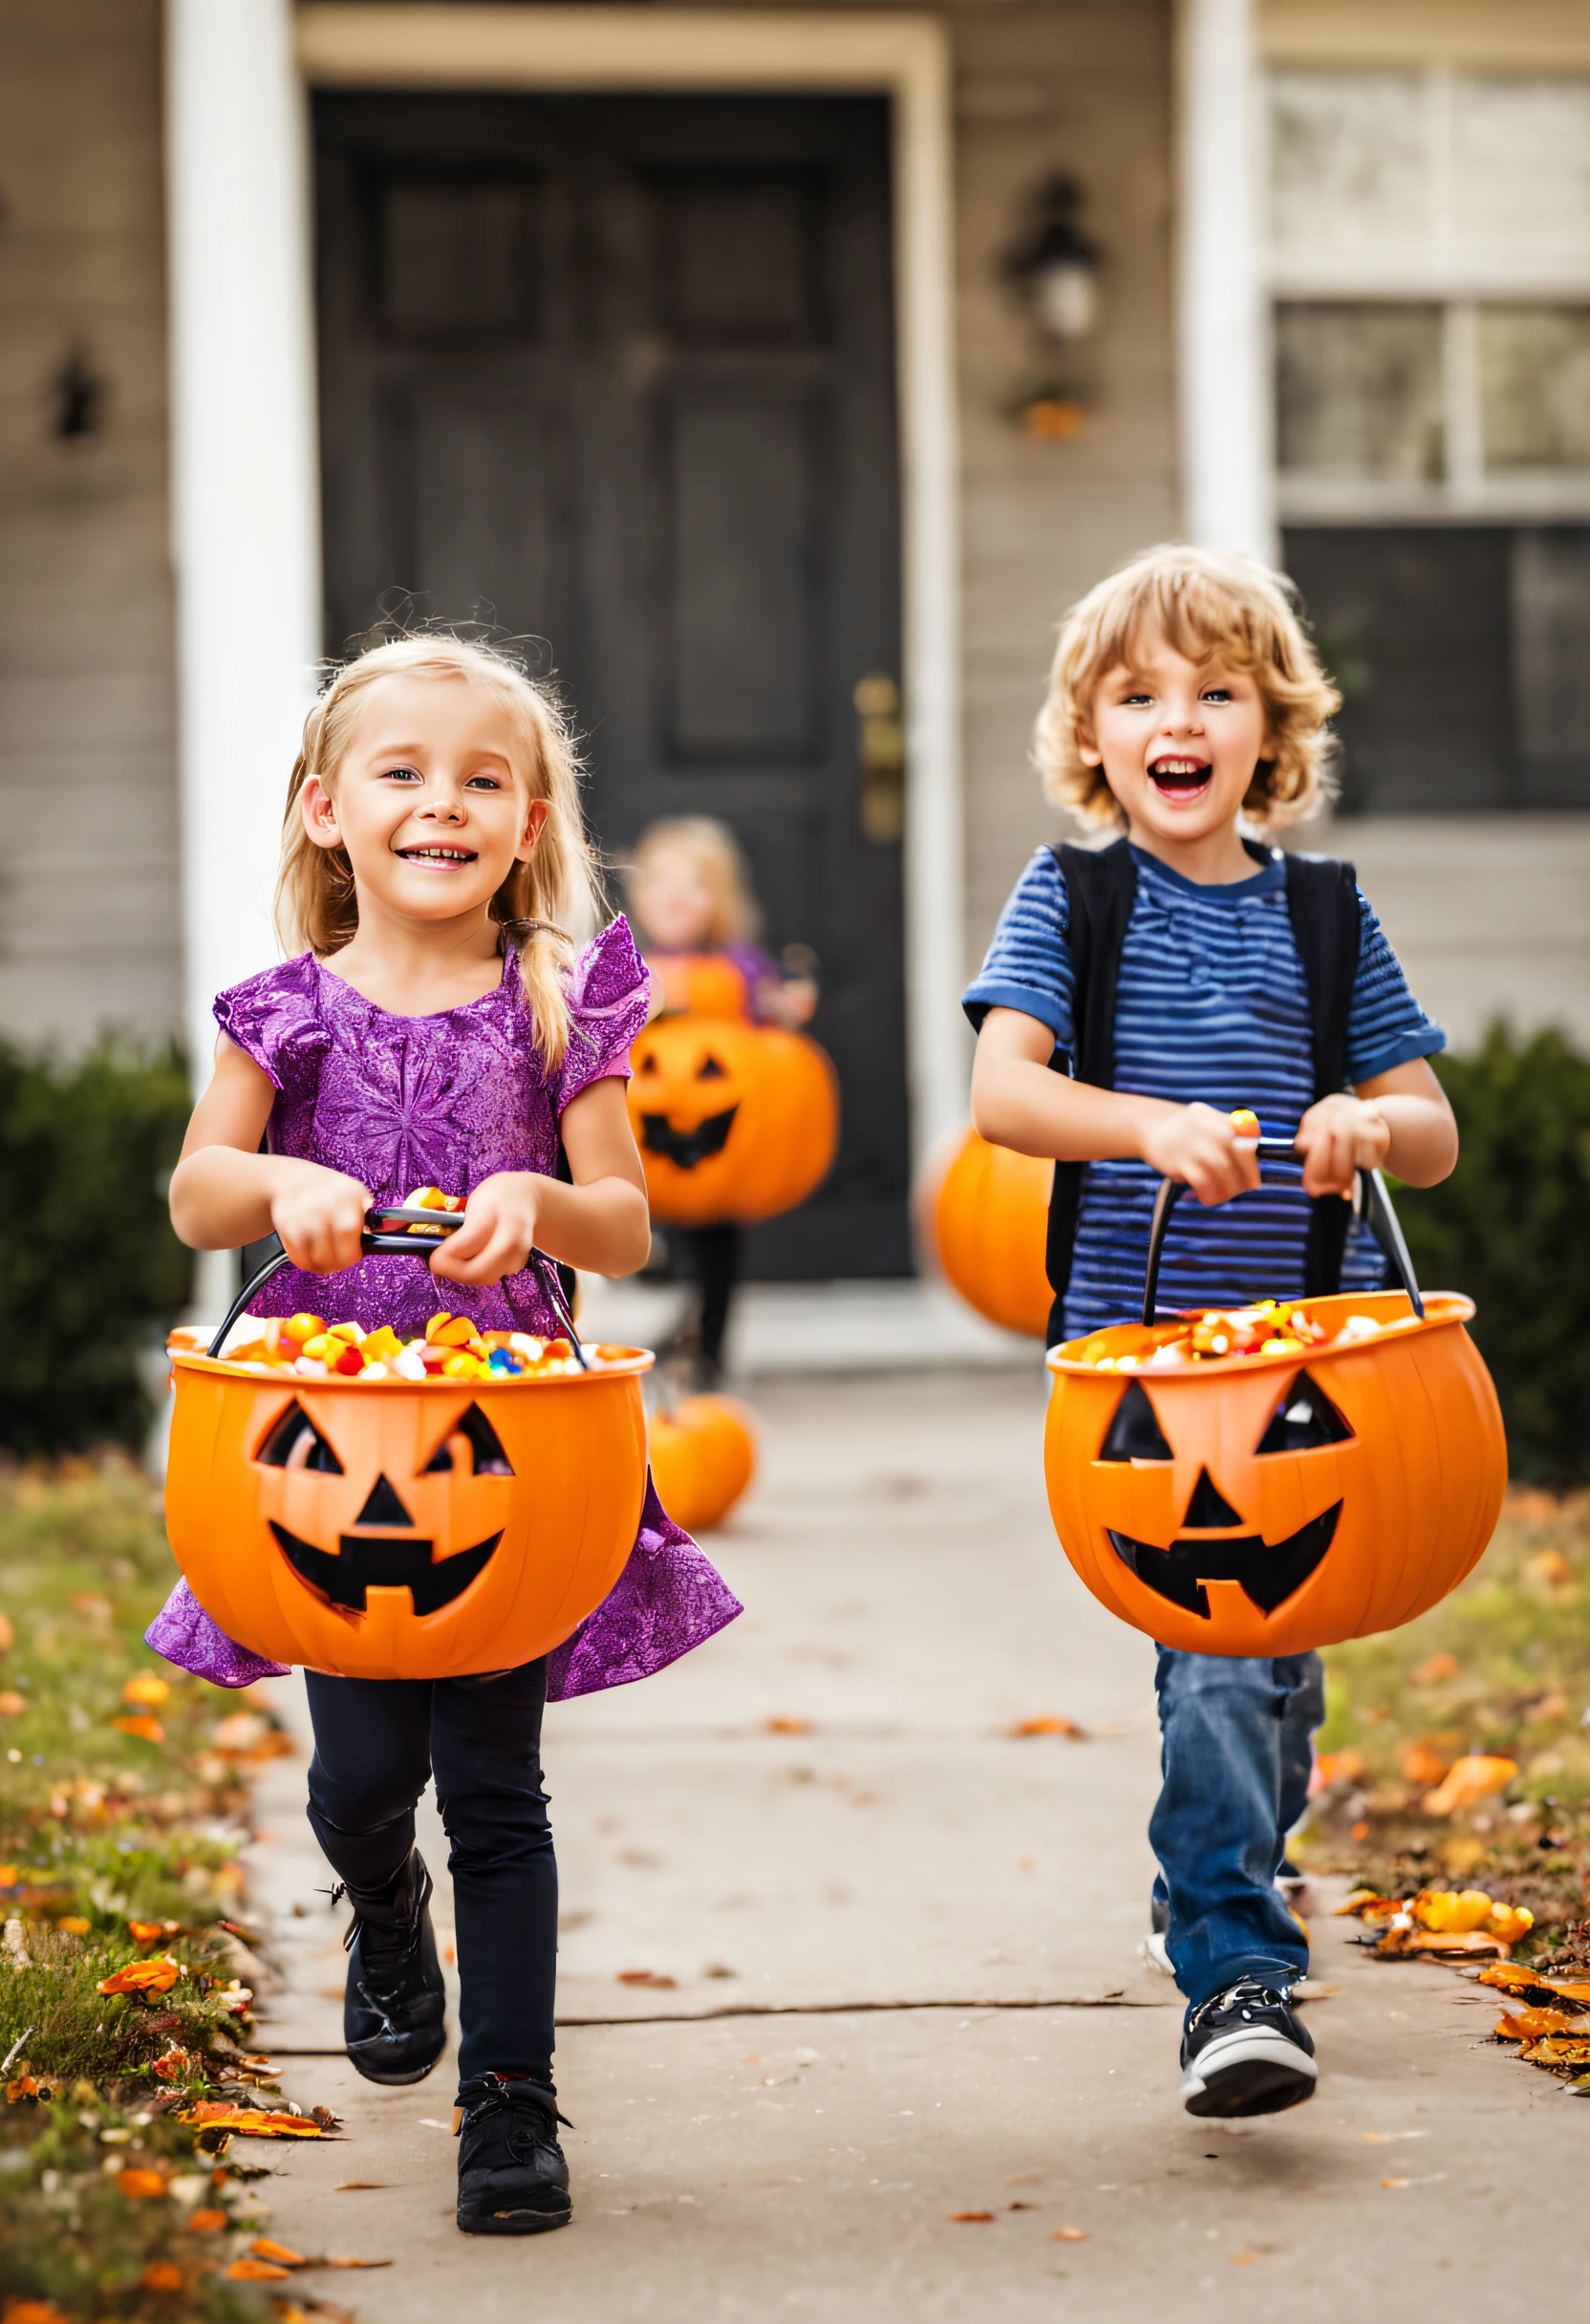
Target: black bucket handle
point(386, 1231)
point(1372, 1203)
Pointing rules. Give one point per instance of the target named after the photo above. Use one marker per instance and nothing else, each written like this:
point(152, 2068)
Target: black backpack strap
point(1101, 887)
point(1321, 900)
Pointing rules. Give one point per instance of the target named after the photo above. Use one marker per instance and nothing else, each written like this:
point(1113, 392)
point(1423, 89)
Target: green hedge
point(1511, 1228)
point(90, 1270)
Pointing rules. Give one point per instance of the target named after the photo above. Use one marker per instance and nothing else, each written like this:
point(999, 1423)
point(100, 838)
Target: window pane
point(1535, 386)
point(1521, 166)
point(1358, 389)
point(1550, 663)
point(1349, 162)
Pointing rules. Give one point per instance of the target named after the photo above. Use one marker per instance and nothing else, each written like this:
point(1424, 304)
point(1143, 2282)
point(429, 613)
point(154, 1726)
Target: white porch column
point(245, 494)
point(1228, 496)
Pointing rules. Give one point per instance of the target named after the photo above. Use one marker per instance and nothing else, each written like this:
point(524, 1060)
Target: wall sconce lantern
point(1055, 266)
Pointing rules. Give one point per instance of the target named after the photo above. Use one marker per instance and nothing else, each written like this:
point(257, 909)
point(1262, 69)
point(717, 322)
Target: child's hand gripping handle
point(393, 1231)
point(1370, 1202)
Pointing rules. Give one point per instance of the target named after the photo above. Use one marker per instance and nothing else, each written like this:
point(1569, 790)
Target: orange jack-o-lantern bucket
point(733, 1120)
point(701, 984)
point(1270, 1503)
point(403, 1529)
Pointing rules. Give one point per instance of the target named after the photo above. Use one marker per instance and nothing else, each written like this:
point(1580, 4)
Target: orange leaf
point(35, 2312)
point(645, 1977)
point(148, 1689)
point(145, 1932)
point(206, 2222)
point(1469, 1780)
point(1436, 1671)
point(251, 2121)
point(257, 2272)
point(163, 2275)
point(1524, 2025)
point(971, 2218)
point(1424, 1766)
point(1050, 1723)
point(350, 2263)
point(283, 2254)
point(785, 1725)
point(146, 1727)
point(1558, 2050)
point(154, 1976)
point(139, 2184)
point(1069, 2236)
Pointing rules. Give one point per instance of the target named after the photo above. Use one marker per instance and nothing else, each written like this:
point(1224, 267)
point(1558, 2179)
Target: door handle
point(881, 746)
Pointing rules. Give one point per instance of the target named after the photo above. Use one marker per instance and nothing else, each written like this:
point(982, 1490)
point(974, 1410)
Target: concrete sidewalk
point(896, 1980)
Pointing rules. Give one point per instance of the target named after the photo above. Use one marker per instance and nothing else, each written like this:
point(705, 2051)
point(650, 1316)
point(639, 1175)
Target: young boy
point(1187, 972)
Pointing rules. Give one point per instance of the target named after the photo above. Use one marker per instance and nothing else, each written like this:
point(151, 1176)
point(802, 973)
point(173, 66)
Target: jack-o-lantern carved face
point(733, 1120)
point(403, 1530)
point(1267, 1505)
point(1215, 1545)
point(374, 1556)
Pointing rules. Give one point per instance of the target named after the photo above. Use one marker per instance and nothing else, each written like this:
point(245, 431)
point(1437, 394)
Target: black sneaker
point(512, 2176)
point(1244, 2053)
point(393, 2009)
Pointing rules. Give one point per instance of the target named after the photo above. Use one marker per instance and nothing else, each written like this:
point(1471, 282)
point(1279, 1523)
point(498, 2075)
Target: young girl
point(437, 1027)
point(1184, 703)
point(689, 889)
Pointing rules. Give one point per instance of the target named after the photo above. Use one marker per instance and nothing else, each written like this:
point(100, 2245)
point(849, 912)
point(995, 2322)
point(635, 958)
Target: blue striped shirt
point(1212, 1005)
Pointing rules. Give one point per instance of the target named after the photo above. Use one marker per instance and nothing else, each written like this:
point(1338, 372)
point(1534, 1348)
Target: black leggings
point(714, 1254)
point(376, 1742)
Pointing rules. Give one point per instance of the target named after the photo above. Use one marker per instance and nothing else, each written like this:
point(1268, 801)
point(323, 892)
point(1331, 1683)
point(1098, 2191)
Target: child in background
point(437, 1027)
point(1184, 702)
point(690, 895)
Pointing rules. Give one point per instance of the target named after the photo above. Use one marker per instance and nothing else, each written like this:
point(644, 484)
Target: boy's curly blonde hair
point(1204, 605)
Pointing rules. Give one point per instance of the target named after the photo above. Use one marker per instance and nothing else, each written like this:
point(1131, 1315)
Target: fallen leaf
point(140, 2185)
point(1436, 1671)
point(1525, 2025)
point(154, 1976)
point(359, 2186)
point(143, 1724)
point(1558, 2050)
point(147, 1688)
point(25, 2086)
point(73, 1924)
point(329, 2262)
point(1050, 1723)
point(206, 2222)
point(1069, 2236)
point(283, 2254)
point(257, 2272)
point(145, 1932)
point(1474, 1778)
point(787, 1725)
point(646, 1976)
point(34, 2312)
point(163, 2275)
point(1335, 1767)
point(972, 2218)
point(253, 2122)
point(1424, 1766)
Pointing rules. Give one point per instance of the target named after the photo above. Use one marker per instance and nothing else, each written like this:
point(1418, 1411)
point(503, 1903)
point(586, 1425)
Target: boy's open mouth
point(1178, 777)
point(445, 857)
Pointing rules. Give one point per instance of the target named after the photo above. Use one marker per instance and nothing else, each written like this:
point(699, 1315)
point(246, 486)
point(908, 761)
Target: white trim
point(1222, 340)
point(906, 58)
point(245, 483)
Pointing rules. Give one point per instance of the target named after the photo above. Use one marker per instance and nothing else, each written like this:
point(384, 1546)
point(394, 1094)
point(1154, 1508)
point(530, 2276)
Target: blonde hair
point(1203, 606)
point(735, 917)
point(538, 904)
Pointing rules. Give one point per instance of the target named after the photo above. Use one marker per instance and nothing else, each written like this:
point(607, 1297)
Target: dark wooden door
point(616, 374)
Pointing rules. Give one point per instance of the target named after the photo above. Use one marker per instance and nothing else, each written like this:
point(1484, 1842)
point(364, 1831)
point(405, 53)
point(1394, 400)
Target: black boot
point(393, 2009)
point(512, 2176)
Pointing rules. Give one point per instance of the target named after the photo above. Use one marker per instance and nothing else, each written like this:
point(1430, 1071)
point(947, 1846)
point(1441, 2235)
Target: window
point(1430, 271)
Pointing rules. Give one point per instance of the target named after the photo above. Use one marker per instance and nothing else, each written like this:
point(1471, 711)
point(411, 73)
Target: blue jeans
point(1237, 1750)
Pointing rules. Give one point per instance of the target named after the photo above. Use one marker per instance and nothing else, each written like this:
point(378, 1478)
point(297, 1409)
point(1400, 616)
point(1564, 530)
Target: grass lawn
point(123, 1808)
point(1500, 1670)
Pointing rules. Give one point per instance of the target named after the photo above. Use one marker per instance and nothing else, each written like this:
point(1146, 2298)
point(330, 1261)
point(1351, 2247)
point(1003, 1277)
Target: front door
point(615, 374)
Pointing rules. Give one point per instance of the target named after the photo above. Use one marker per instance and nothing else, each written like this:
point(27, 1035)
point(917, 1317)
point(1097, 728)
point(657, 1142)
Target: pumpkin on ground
point(990, 1221)
point(403, 1530)
point(701, 984)
point(703, 1456)
point(733, 1120)
point(1267, 1505)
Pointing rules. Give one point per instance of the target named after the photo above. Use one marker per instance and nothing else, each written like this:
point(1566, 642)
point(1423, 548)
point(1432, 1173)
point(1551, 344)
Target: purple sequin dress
point(445, 1101)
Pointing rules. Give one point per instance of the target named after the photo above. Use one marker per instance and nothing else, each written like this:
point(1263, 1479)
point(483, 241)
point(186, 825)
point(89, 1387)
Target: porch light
point(1055, 266)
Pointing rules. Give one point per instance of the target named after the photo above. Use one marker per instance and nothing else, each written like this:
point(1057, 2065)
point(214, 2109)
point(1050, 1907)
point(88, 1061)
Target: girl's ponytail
point(545, 908)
